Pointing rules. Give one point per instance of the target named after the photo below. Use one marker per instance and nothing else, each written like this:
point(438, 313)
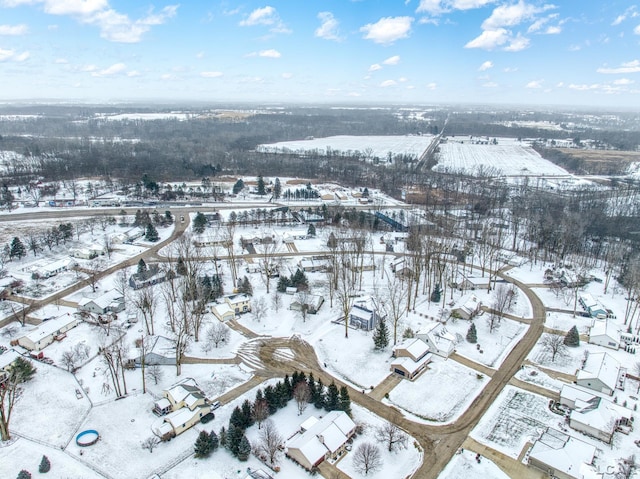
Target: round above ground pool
point(87, 438)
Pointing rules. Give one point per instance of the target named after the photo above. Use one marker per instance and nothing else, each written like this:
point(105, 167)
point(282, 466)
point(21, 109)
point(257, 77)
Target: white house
point(562, 456)
point(312, 301)
point(604, 333)
point(469, 307)
point(411, 358)
point(601, 372)
point(109, 302)
point(320, 439)
point(239, 303)
point(223, 311)
point(51, 269)
point(440, 341)
point(592, 306)
point(48, 332)
point(6, 360)
point(181, 408)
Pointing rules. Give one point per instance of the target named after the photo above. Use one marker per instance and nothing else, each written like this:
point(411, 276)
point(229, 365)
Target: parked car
point(216, 405)
point(207, 417)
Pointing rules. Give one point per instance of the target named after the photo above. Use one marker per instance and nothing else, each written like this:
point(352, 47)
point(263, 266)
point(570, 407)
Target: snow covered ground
point(464, 465)
point(509, 159)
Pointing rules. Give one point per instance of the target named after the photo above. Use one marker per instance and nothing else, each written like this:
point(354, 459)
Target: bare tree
point(216, 334)
point(367, 458)
point(260, 411)
point(395, 302)
point(146, 301)
point(268, 262)
point(276, 301)
point(11, 391)
point(154, 372)
point(554, 344)
point(150, 443)
point(259, 309)
point(114, 357)
point(501, 301)
point(69, 359)
point(270, 441)
point(93, 270)
point(302, 395)
point(392, 436)
point(626, 468)
point(121, 283)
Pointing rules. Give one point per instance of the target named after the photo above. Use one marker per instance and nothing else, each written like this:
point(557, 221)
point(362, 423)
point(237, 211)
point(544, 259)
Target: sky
point(528, 52)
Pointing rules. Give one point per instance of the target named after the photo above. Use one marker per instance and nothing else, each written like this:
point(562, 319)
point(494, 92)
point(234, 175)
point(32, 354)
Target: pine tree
point(288, 386)
point(234, 436)
point(282, 395)
point(436, 293)
point(244, 449)
point(152, 233)
point(45, 465)
point(24, 475)
point(381, 335)
point(345, 400)
point(261, 189)
point(332, 402)
point(277, 189)
point(203, 445)
point(199, 223)
point(213, 438)
point(572, 338)
point(142, 268)
point(271, 398)
point(237, 418)
point(17, 249)
point(472, 335)
point(313, 391)
point(311, 231)
point(247, 414)
point(318, 400)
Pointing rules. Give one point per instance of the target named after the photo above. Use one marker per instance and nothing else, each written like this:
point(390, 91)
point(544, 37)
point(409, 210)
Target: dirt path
point(511, 467)
point(386, 386)
point(534, 388)
point(486, 370)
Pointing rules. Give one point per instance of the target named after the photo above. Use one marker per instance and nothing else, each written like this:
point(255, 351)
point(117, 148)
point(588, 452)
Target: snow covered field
point(504, 159)
point(464, 465)
point(368, 146)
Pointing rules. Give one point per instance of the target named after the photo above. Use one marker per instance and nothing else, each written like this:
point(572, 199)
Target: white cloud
point(133, 73)
point(490, 84)
point(110, 71)
point(553, 30)
point(14, 29)
point(510, 69)
point(328, 28)
point(403, 80)
point(287, 75)
point(534, 84)
point(623, 81)
point(13, 56)
point(200, 55)
point(628, 13)
point(271, 53)
point(266, 16)
point(388, 29)
point(517, 44)
point(489, 39)
point(388, 83)
point(628, 67)
point(637, 30)
point(394, 60)
point(89, 68)
point(511, 15)
point(211, 74)
point(375, 67)
point(485, 66)
point(61, 61)
point(437, 7)
point(114, 26)
point(431, 86)
point(167, 76)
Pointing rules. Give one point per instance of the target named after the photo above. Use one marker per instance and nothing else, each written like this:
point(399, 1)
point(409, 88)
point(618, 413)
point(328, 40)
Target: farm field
point(507, 159)
point(370, 146)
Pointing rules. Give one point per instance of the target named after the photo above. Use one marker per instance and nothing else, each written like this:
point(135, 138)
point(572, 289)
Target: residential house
point(466, 282)
point(48, 332)
point(313, 265)
point(563, 457)
point(153, 275)
point(239, 303)
point(223, 312)
point(313, 302)
point(89, 252)
point(180, 408)
point(160, 351)
point(439, 340)
point(592, 306)
point(469, 307)
point(605, 333)
point(320, 439)
point(6, 360)
point(365, 314)
point(109, 302)
point(411, 358)
point(51, 269)
point(602, 373)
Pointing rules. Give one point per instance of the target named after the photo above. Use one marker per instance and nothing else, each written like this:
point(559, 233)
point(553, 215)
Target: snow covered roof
point(563, 453)
point(189, 394)
point(327, 434)
point(600, 366)
point(308, 423)
point(50, 327)
point(222, 309)
point(237, 298)
point(410, 365)
point(573, 393)
point(8, 358)
point(415, 347)
point(600, 414)
point(102, 301)
point(604, 327)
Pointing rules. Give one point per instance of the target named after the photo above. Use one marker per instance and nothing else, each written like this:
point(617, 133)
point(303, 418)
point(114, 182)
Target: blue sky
point(564, 52)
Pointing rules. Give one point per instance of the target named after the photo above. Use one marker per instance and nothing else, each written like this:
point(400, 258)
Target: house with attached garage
point(602, 373)
point(411, 357)
point(180, 408)
point(592, 306)
point(320, 439)
point(440, 341)
point(160, 350)
point(605, 333)
point(469, 307)
point(564, 457)
point(239, 303)
point(313, 302)
point(6, 360)
point(48, 332)
point(365, 314)
point(223, 312)
point(109, 302)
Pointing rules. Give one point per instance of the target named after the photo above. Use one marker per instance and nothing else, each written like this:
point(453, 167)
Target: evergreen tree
point(213, 439)
point(238, 187)
point(142, 268)
point(237, 419)
point(244, 449)
point(283, 284)
point(151, 233)
point(318, 400)
point(277, 189)
point(17, 249)
point(234, 436)
point(472, 335)
point(203, 445)
point(24, 475)
point(288, 386)
point(247, 414)
point(271, 398)
point(168, 218)
point(181, 268)
point(332, 402)
point(45, 465)
point(365, 192)
point(436, 293)
point(299, 280)
point(311, 231)
point(261, 189)
point(282, 395)
point(345, 400)
point(572, 338)
point(313, 390)
point(245, 287)
point(199, 223)
point(381, 335)
point(222, 437)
